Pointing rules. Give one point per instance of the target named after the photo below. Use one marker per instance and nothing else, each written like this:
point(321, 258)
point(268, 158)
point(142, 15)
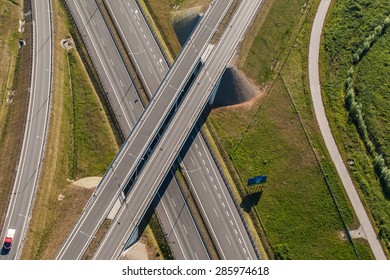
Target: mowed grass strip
point(78, 124)
point(94, 146)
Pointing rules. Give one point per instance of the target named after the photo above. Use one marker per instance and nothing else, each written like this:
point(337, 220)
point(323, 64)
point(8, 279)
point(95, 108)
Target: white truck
point(8, 239)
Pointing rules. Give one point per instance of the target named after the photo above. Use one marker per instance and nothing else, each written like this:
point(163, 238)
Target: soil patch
point(235, 88)
point(88, 182)
point(137, 252)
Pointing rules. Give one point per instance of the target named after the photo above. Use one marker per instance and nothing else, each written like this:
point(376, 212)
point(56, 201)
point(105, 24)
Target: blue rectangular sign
point(257, 180)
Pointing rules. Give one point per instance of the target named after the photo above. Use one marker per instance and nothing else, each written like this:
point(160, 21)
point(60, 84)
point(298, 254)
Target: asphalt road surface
point(19, 209)
point(132, 152)
point(315, 88)
point(173, 139)
point(199, 166)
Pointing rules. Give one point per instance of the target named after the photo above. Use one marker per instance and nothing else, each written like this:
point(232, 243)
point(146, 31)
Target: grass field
point(348, 26)
point(271, 40)
point(295, 206)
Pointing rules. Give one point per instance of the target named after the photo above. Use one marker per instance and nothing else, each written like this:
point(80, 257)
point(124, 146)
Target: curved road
point(315, 89)
point(27, 175)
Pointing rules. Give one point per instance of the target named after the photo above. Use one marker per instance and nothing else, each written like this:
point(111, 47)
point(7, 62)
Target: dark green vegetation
point(303, 216)
point(356, 67)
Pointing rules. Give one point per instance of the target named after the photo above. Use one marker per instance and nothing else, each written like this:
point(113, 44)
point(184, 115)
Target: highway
point(27, 176)
point(315, 89)
point(173, 138)
point(199, 167)
point(178, 216)
point(173, 212)
point(133, 151)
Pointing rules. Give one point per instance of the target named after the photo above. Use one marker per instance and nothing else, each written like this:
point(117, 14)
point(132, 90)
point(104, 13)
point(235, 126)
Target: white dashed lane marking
point(216, 213)
point(228, 240)
point(174, 204)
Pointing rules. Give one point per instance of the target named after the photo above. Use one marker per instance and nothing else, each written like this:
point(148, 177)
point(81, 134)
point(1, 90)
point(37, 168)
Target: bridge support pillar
point(133, 239)
point(215, 90)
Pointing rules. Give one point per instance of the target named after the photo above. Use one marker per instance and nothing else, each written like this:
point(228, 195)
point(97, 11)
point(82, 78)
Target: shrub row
point(356, 112)
point(371, 39)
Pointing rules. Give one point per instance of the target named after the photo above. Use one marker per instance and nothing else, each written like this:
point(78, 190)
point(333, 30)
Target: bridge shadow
point(194, 133)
